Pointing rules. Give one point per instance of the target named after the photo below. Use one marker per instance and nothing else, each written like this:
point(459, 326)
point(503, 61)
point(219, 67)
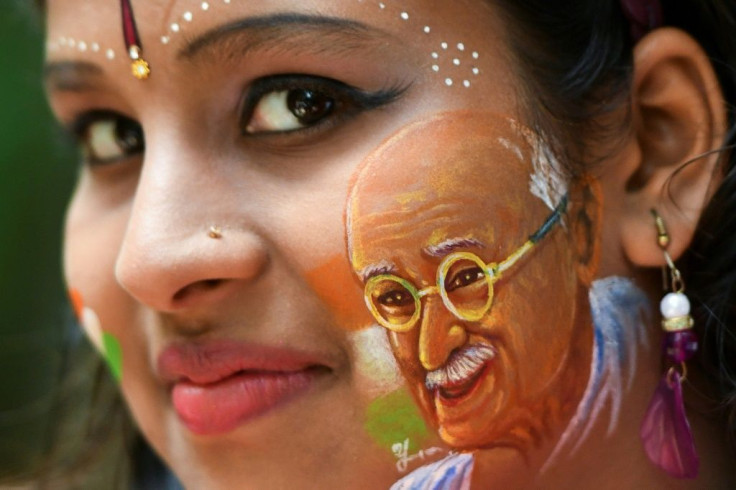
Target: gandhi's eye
point(290, 103)
point(106, 137)
point(464, 276)
point(396, 297)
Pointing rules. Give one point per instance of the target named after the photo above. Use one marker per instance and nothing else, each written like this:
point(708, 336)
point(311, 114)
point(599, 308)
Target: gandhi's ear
point(585, 221)
point(671, 158)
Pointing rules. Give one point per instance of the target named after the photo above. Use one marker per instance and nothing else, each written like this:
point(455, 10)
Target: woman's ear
point(671, 162)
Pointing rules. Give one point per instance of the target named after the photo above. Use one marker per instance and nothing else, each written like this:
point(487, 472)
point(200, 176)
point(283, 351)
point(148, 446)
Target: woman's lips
point(218, 386)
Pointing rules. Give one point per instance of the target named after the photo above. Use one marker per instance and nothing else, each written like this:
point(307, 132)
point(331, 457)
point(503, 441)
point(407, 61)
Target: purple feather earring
point(665, 430)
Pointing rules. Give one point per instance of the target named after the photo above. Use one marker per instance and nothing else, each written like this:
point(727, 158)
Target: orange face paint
point(76, 299)
point(335, 284)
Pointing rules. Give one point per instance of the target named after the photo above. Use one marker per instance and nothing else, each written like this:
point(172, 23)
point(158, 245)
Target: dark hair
point(575, 59)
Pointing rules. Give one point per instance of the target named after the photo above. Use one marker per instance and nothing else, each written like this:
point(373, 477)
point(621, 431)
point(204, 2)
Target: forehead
point(460, 175)
point(441, 32)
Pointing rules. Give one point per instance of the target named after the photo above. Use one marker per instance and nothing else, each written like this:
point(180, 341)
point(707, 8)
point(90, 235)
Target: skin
point(449, 190)
point(137, 247)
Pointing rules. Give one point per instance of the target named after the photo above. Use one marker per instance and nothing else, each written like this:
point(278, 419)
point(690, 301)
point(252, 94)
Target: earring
point(665, 431)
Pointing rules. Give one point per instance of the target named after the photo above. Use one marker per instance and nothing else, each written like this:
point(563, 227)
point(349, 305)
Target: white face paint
point(71, 44)
point(377, 370)
point(454, 62)
point(91, 326)
point(621, 312)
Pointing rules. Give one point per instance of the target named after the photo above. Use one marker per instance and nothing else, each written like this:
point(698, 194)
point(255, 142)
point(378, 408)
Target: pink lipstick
point(218, 386)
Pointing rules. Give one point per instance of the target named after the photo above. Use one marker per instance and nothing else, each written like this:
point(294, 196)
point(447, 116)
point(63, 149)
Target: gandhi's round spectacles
point(464, 282)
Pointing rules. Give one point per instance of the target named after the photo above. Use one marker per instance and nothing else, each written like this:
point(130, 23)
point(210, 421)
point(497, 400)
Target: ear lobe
point(679, 122)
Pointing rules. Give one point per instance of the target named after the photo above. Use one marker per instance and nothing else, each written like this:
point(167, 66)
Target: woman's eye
point(108, 137)
point(287, 110)
point(289, 103)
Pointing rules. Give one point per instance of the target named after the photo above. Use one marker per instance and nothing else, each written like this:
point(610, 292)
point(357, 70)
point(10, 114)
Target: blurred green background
point(36, 177)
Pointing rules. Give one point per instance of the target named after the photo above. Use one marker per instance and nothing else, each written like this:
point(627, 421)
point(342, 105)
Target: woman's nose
point(440, 334)
point(189, 241)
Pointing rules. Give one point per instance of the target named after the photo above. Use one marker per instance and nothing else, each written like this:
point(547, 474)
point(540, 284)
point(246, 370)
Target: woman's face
point(213, 256)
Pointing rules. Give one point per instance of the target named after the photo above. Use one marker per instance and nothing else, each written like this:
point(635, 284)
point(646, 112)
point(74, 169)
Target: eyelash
point(346, 102)
point(80, 129)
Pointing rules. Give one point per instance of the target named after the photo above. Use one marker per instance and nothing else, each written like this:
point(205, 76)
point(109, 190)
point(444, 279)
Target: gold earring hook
point(663, 240)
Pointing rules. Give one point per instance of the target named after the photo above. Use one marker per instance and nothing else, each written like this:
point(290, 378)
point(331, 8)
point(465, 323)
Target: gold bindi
point(139, 67)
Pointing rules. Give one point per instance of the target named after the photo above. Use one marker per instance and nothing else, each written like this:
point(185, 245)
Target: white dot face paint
point(80, 45)
point(450, 67)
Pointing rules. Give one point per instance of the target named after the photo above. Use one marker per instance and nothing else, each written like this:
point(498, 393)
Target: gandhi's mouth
point(461, 372)
point(462, 389)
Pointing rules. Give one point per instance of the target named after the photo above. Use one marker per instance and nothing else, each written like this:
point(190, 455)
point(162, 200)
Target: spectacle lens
point(466, 286)
point(394, 302)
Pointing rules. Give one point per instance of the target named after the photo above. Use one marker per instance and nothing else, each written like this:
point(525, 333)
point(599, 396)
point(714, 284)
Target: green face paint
point(113, 355)
point(395, 418)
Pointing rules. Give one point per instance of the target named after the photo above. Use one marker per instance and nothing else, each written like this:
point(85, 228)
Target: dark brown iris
point(309, 106)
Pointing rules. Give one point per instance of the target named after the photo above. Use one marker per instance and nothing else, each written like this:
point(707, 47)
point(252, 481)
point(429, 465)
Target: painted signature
point(401, 451)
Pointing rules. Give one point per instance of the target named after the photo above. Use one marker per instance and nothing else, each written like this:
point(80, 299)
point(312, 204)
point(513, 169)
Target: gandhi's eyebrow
point(71, 76)
point(448, 246)
point(373, 270)
point(310, 32)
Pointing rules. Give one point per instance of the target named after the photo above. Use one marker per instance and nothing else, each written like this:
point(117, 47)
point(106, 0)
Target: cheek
point(92, 238)
point(404, 347)
point(105, 342)
point(545, 297)
point(376, 370)
point(335, 284)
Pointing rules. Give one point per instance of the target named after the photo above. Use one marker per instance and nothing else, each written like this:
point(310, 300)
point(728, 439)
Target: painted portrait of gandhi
point(473, 269)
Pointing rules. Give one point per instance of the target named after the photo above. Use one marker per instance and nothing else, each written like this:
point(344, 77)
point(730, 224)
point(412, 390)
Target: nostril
point(197, 288)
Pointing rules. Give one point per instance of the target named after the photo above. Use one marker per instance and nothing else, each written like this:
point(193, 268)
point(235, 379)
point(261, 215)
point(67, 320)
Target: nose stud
point(215, 232)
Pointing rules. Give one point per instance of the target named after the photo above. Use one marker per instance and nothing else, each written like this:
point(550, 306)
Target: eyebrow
point(448, 246)
point(71, 76)
point(306, 32)
point(373, 270)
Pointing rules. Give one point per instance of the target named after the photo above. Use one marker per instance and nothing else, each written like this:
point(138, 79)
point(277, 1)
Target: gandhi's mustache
point(461, 366)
